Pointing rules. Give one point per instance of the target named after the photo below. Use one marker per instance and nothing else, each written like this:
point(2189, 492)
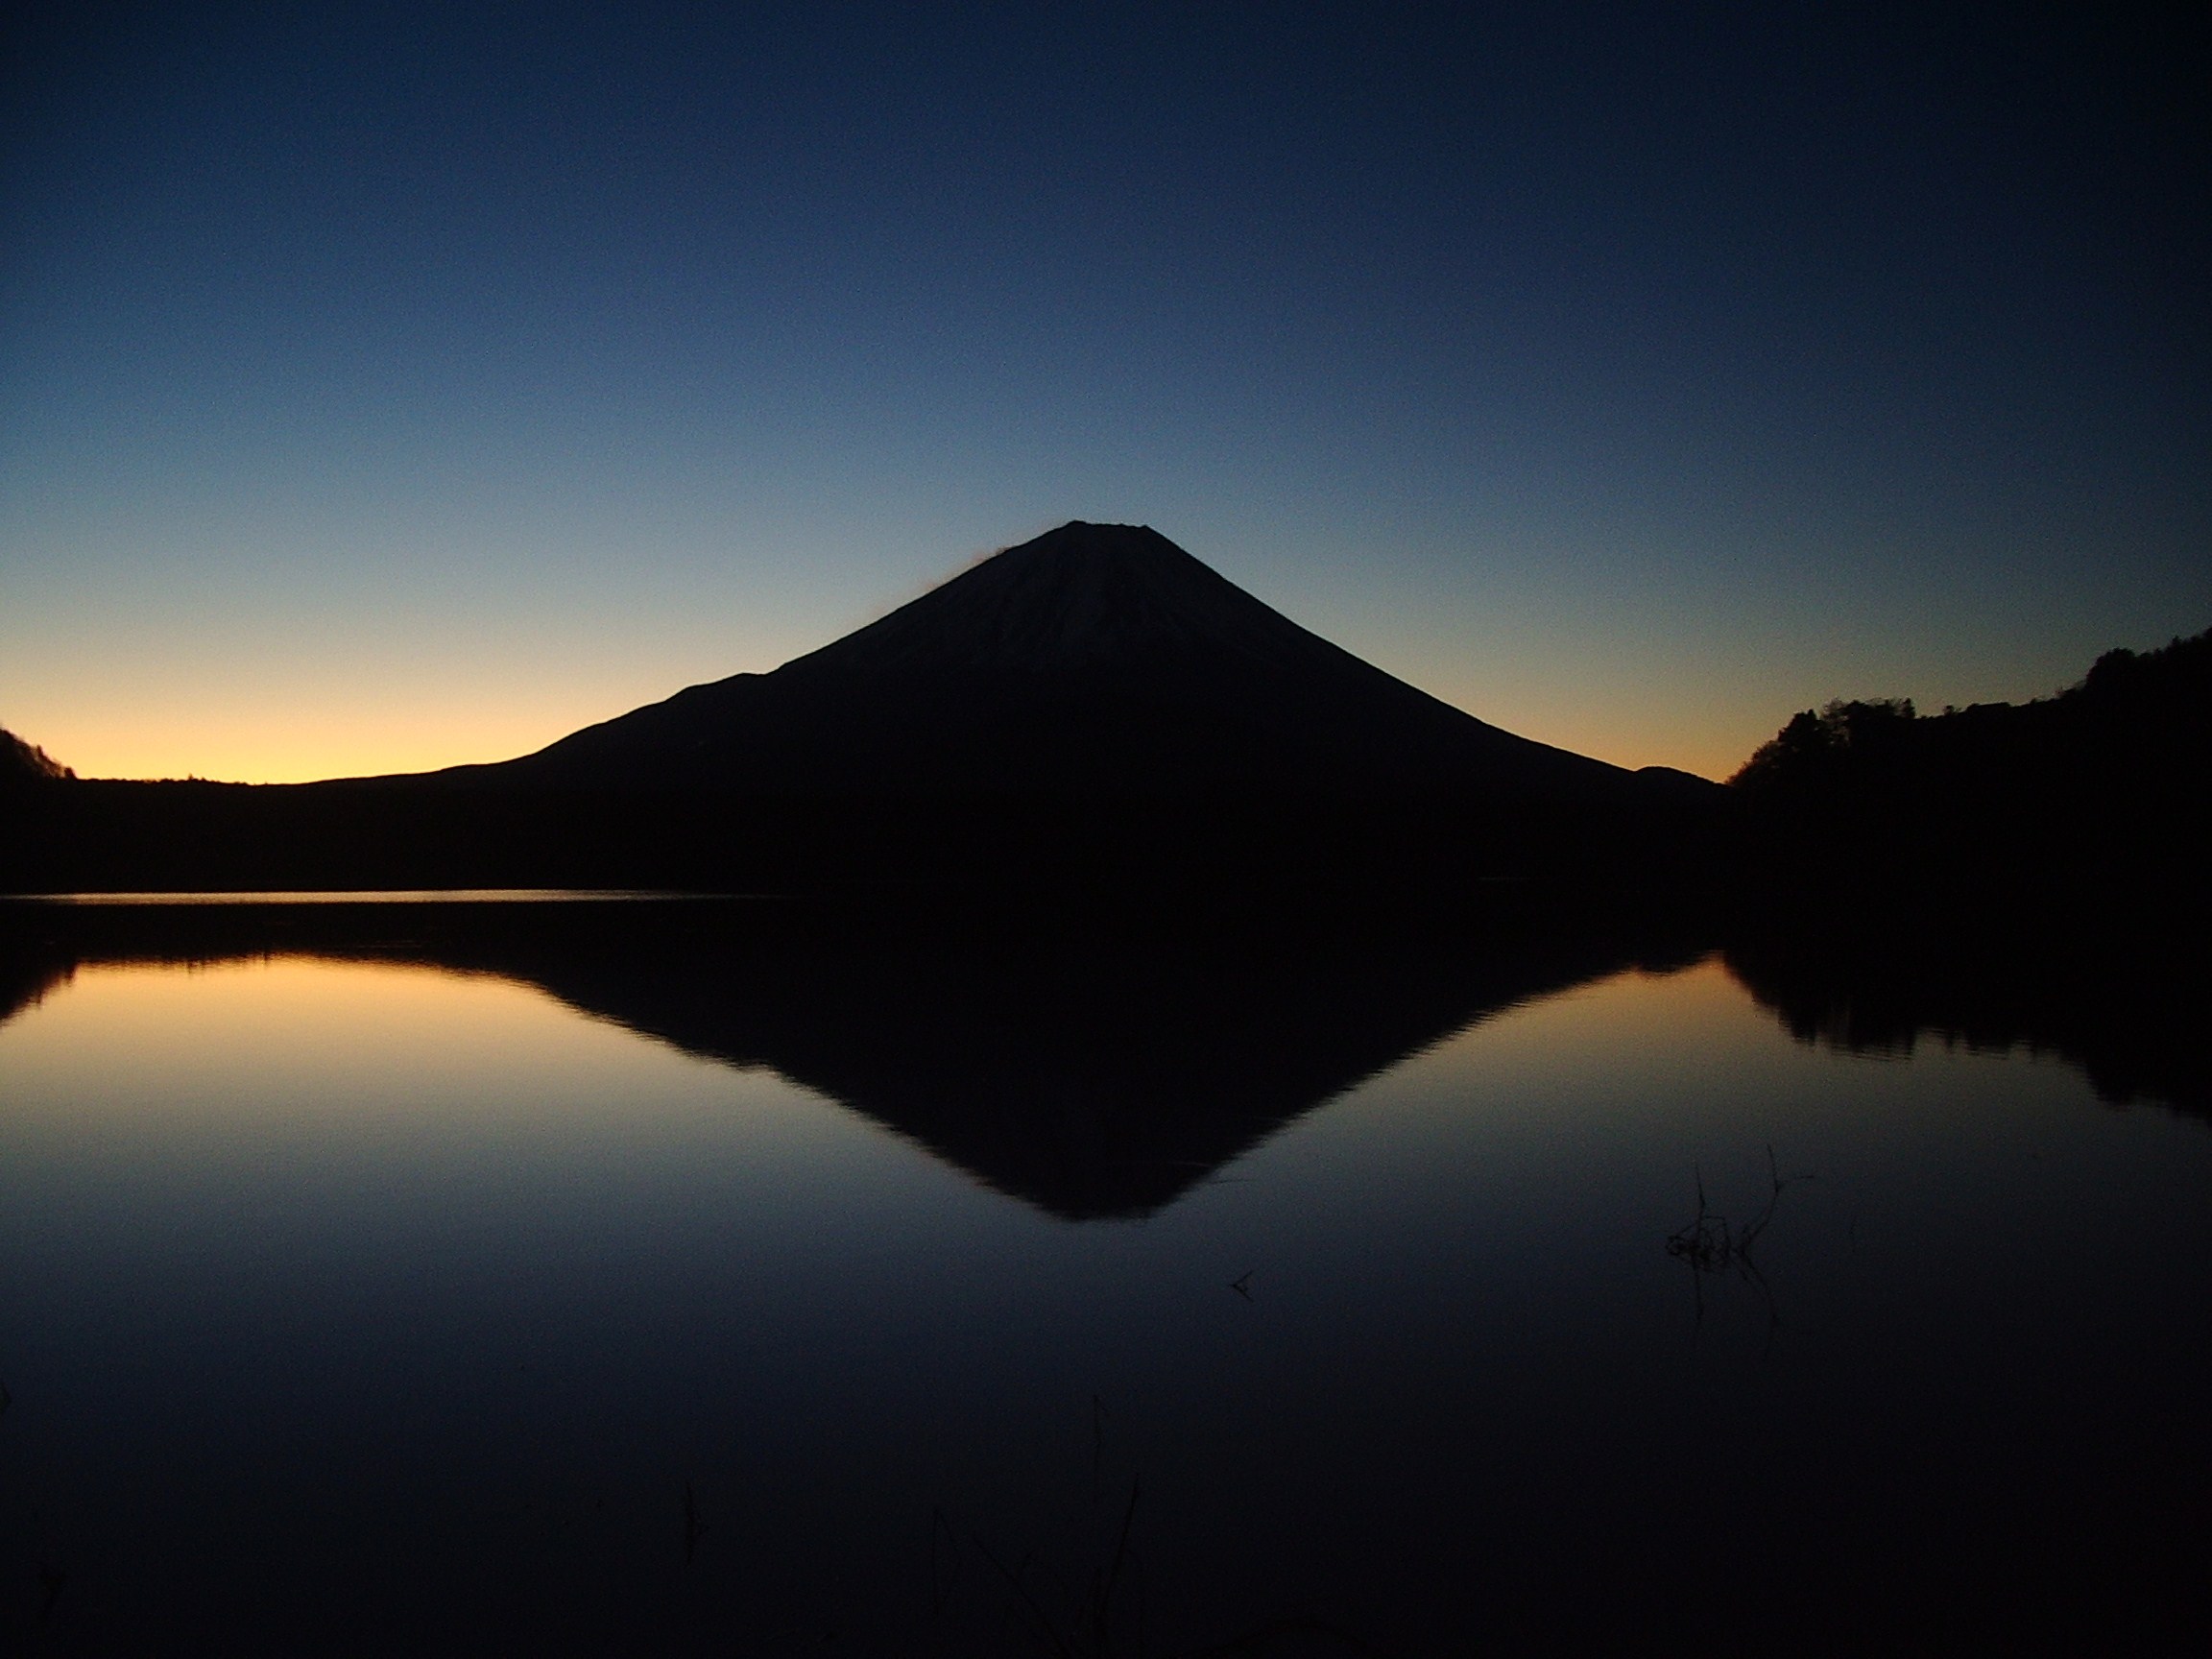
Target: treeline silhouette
point(24, 763)
point(2095, 803)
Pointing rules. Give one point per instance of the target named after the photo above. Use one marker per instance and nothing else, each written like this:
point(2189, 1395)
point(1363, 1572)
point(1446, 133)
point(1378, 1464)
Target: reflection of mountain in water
point(1099, 1073)
point(1090, 1084)
point(1091, 1074)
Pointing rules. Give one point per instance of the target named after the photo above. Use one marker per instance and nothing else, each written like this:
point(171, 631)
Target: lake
point(670, 1277)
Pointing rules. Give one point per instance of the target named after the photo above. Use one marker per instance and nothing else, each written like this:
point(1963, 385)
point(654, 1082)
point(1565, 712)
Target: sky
point(389, 386)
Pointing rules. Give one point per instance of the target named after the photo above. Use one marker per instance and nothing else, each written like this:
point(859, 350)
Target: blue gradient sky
point(389, 386)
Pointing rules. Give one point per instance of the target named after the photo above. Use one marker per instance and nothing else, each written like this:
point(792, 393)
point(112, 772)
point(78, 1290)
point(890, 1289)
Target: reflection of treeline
point(2126, 1011)
point(2099, 793)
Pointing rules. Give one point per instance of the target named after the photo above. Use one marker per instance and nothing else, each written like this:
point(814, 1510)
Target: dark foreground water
point(408, 1285)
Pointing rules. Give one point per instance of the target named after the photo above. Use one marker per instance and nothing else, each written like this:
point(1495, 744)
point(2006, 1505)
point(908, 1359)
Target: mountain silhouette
point(1096, 661)
point(1094, 713)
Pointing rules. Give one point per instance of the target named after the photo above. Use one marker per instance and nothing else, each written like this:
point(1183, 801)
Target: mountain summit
point(1099, 660)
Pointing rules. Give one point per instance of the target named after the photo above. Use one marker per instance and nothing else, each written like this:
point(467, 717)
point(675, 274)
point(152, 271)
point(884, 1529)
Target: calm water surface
point(355, 1304)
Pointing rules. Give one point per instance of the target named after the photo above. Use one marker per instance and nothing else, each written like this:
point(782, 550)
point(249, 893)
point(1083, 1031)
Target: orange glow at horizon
point(248, 755)
point(305, 744)
point(279, 751)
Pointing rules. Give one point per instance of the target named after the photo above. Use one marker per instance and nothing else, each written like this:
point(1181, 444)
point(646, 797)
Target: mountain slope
point(1096, 660)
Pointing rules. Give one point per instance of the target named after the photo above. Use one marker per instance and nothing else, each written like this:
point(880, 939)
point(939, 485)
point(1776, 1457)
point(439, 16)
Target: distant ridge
point(1099, 660)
